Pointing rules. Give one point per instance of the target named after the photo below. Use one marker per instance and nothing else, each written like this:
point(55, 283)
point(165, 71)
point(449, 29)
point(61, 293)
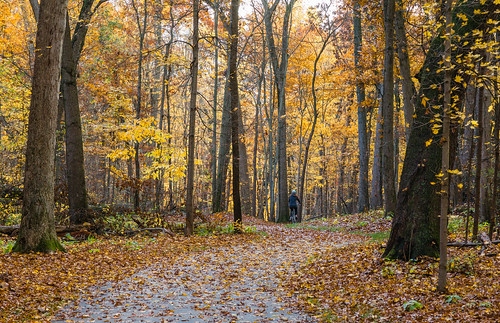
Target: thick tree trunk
point(37, 231)
point(192, 124)
point(363, 197)
point(388, 110)
point(415, 227)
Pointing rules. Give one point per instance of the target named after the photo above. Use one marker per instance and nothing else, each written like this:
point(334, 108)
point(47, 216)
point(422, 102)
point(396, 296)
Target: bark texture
point(415, 227)
point(37, 231)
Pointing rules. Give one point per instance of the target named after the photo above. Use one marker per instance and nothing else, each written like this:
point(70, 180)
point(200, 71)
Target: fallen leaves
point(354, 283)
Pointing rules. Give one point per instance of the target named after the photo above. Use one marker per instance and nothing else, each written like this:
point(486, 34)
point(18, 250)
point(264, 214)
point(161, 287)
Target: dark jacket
point(292, 200)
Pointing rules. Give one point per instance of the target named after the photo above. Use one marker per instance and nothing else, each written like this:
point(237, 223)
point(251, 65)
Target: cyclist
point(293, 201)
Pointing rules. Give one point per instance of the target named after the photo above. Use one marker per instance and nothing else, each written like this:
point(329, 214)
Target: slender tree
point(388, 110)
point(192, 124)
point(235, 102)
point(445, 154)
point(363, 200)
point(37, 231)
point(280, 69)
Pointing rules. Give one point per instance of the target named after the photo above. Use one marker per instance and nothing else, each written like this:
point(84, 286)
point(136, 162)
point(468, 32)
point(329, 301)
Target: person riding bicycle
point(293, 201)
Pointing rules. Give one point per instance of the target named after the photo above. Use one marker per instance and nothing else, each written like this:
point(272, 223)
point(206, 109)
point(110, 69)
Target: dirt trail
point(237, 283)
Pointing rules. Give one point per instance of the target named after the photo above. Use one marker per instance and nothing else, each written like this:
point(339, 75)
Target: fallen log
point(162, 230)
point(11, 229)
point(469, 244)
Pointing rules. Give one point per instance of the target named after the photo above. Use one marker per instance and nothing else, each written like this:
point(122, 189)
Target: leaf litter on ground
point(330, 269)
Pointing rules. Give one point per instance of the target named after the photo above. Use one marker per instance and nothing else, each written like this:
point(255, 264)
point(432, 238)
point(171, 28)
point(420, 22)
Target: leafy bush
point(412, 305)
point(452, 299)
point(462, 264)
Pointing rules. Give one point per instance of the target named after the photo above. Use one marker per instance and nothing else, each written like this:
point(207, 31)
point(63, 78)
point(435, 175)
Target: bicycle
point(293, 215)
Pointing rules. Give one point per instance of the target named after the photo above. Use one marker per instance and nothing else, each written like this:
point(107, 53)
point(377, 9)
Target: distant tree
point(280, 70)
point(37, 231)
point(363, 200)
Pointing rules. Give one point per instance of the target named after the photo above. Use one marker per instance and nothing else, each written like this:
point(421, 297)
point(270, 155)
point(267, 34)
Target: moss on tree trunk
point(415, 227)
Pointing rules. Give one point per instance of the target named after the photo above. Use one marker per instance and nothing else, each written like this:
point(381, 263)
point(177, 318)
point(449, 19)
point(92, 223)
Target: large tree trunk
point(415, 227)
point(37, 231)
point(192, 124)
point(363, 200)
point(388, 110)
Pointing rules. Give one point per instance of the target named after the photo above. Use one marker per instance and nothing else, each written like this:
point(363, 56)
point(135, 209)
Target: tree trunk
point(75, 173)
point(445, 154)
point(479, 163)
point(388, 110)
point(415, 227)
point(280, 69)
point(215, 100)
point(496, 168)
point(192, 124)
point(235, 100)
point(37, 231)
point(138, 104)
point(363, 197)
point(246, 190)
point(409, 92)
point(219, 195)
point(376, 192)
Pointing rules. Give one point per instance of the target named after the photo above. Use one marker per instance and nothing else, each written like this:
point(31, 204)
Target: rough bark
point(37, 231)
point(415, 227)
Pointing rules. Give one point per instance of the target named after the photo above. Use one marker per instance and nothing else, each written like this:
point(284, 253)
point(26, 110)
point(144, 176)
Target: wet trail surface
point(232, 283)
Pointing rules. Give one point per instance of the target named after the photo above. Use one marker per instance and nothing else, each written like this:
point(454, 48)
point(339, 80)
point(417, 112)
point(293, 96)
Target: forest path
point(237, 282)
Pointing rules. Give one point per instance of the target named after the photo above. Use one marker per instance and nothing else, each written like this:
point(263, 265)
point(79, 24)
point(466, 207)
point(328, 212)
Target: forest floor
point(321, 270)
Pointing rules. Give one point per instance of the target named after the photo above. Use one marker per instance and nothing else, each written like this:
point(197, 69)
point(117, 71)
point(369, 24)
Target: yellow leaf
point(428, 143)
